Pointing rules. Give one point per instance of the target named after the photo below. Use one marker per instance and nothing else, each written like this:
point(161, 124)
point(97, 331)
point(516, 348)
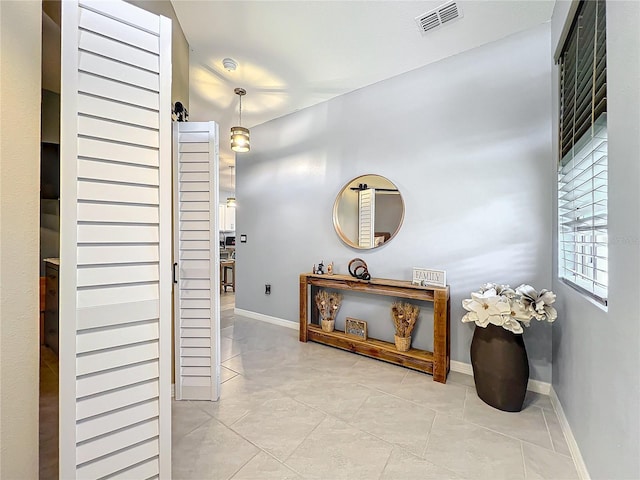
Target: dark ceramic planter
point(500, 367)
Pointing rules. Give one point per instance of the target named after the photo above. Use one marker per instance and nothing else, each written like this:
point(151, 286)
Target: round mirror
point(368, 212)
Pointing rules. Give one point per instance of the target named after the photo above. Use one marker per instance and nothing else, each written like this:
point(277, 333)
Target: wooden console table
point(435, 363)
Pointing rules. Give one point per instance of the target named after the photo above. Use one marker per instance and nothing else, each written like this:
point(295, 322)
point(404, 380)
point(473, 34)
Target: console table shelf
point(436, 363)
point(414, 358)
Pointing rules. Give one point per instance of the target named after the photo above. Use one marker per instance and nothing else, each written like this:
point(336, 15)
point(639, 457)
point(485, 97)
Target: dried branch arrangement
point(404, 316)
point(328, 304)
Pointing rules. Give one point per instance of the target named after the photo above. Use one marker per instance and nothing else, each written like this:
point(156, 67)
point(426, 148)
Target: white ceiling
point(294, 54)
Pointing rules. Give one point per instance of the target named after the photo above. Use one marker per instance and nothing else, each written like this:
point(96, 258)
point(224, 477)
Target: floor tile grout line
point(230, 426)
point(464, 404)
point(304, 439)
point(506, 434)
point(317, 409)
point(363, 401)
point(198, 426)
point(410, 401)
point(524, 463)
point(563, 437)
point(391, 444)
point(386, 463)
point(426, 445)
point(334, 417)
point(197, 405)
point(281, 462)
point(546, 424)
point(260, 449)
point(247, 462)
point(244, 415)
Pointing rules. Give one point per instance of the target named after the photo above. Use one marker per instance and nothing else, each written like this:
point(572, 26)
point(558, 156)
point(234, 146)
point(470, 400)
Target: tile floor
point(48, 414)
point(290, 410)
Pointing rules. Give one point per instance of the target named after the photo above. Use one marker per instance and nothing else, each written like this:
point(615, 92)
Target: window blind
point(582, 169)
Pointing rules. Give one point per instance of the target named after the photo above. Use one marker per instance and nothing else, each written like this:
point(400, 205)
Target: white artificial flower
point(512, 325)
point(547, 296)
point(551, 313)
point(470, 317)
point(520, 312)
point(510, 309)
point(487, 306)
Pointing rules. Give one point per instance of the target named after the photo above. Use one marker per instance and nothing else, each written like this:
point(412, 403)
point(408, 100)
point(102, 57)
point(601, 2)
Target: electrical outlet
point(267, 289)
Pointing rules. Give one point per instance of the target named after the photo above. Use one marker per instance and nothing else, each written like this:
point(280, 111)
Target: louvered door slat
point(366, 212)
point(196, 298)
point(110, 443)
point(92, 148)
point(117, 420)
point(115, 272)
point(107, 108)
point(110, 402)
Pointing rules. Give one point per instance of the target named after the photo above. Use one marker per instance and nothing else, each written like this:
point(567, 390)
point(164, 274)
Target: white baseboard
point(461, 367)
point(534, 385)
point(267, 318)
point(539, 387)
point(581, 467)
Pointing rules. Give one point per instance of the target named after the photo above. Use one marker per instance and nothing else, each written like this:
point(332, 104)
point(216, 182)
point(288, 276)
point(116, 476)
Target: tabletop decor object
point(358, 269)
point(404, 317)
point(328, 305)
point(498, 354)
point(355, 328)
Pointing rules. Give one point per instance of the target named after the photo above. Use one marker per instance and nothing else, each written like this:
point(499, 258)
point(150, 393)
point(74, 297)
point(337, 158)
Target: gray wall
point(466, 140)
point(596, 358)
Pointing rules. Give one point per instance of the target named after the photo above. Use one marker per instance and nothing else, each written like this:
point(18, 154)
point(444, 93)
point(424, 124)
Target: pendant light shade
point(240, 141)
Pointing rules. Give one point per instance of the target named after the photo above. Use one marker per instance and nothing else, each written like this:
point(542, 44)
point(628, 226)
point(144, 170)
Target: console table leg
point(440, 337)
point(303, 309)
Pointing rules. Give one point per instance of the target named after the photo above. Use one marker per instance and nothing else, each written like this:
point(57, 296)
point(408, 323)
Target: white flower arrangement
point(507, 308)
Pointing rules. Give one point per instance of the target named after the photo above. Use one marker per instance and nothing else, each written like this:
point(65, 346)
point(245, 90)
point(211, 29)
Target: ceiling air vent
point(438, 16)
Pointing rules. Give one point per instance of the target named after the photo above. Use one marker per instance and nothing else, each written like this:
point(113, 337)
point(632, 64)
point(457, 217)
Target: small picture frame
point(355, 328)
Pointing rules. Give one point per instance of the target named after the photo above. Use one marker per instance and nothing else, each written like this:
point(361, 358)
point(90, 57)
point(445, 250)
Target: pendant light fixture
point(240, 135)
point(231, 201)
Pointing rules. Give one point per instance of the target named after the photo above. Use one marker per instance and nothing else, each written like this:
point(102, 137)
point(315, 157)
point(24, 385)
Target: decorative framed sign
point(355, 328)
point(429, 277)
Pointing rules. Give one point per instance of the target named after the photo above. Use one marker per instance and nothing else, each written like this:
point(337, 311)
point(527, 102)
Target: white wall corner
point(581, 467)
point(536, 386)
point(267, 318)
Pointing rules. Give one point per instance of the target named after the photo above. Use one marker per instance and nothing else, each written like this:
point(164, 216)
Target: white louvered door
point(366, 217)
point(115, 242)
point(196, 256)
